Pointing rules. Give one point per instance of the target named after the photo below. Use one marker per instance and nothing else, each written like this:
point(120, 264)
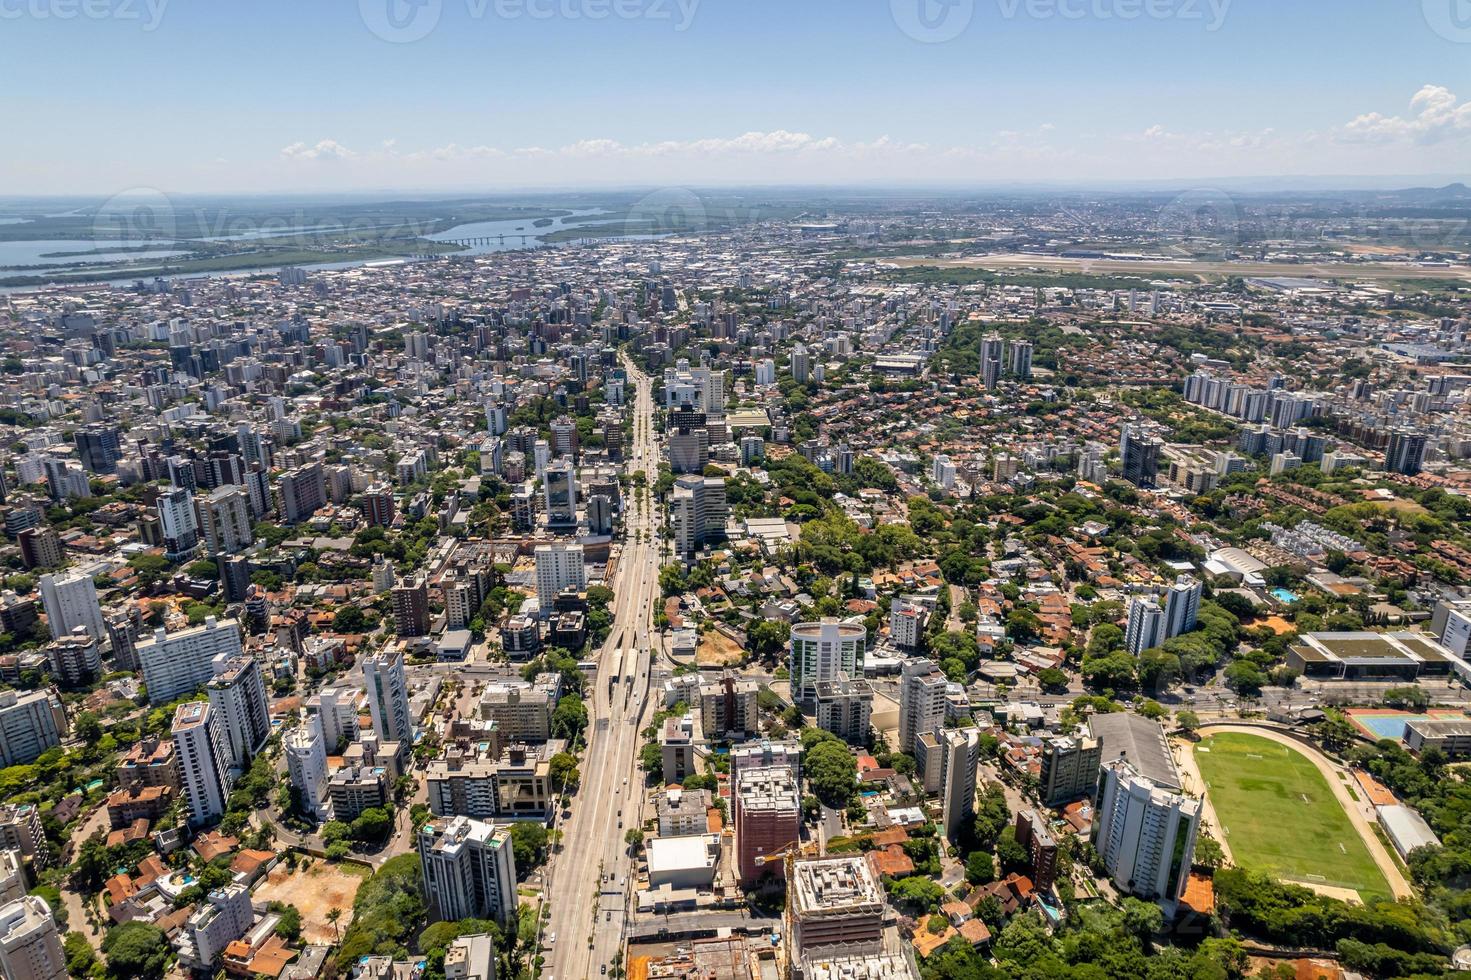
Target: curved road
point(1362, 821)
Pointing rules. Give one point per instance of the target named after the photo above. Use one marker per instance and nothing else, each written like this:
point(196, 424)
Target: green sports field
point(1280, 816)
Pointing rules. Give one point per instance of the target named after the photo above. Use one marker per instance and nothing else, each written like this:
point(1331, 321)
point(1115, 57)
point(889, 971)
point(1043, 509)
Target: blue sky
point(267, 95)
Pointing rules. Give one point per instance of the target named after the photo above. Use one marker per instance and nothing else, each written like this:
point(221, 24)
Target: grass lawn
point(1280, 816)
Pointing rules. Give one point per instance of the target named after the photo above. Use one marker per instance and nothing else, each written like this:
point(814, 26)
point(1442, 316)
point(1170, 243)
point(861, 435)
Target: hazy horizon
point(454, 96)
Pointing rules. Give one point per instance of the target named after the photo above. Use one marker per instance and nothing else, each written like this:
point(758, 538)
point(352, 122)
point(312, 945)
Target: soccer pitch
point(1280, 816)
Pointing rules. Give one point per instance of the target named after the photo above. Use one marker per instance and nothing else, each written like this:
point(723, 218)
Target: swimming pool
point(1282, 595)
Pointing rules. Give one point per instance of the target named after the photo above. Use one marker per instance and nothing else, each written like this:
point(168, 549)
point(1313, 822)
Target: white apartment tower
point(1182, 606)
point(922, 688)
point(70, 600)
point(237, 693)
point(30, 943)
point(558, 567)
point(1145, 835)
point(175, 664)
point(388, 697)
point(306, 762)
point(1145, 629)
point(824, 651)
point(203, 761)
point(469, 869)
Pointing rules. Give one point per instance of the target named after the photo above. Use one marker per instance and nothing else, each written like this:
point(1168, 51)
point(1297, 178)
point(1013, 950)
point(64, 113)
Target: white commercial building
point(175, 664)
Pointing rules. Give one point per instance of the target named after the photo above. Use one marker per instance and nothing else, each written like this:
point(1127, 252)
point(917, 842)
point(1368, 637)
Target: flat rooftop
point(1141, 742)
point(1366, 647)
point(835, 886)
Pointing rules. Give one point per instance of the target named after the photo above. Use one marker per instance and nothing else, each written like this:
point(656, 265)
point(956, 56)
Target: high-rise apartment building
point(558, 567)
point(224, 519)
point(203, 761)
point(70, 600)
point(922, 687)
point(237, 692)
point(30, 943)
point(469, 869)
point(1182, 606)
point(388, 697)
point(824, 651)
point(962, 757)
point(1069, 769)
point(411, 607)
point(1139, 455)
point(31, 722)
point(1146, 627)
point(768, 819)
point(175, 664)
point(306, 764)
point(1145, 835)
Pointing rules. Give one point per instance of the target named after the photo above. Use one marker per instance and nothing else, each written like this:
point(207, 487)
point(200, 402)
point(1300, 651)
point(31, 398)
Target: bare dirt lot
point(314, 892)
point(718, 650)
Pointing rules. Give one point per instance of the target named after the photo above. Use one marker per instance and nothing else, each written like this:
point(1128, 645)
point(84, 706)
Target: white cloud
point(1436, 114)
point(323, 150)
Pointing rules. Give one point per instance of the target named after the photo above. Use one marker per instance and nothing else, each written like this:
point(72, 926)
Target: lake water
point(513, 230)
point(518, 232)
point(20, 255)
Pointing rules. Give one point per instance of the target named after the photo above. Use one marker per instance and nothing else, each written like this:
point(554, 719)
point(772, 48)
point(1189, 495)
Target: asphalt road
point(588, 887)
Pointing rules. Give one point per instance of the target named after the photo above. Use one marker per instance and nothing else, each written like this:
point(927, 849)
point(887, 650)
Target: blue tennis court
point(1387, 726)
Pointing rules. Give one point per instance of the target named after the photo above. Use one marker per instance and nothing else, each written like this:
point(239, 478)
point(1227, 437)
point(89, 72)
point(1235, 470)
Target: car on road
point(551, 939)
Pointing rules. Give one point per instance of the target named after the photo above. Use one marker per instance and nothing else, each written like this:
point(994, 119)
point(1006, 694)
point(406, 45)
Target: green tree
point(135, 951)
point(980, 868)
point(528, 846)
point(831, 770)
point(80, 958)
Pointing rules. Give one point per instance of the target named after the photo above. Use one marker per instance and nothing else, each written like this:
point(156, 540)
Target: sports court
point(1279, 815)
